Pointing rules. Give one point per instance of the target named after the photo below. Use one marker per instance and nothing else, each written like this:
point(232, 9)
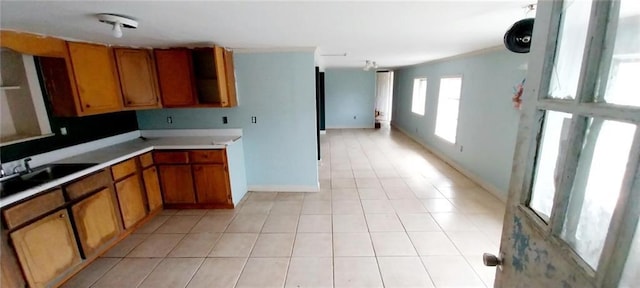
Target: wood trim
point(33, 44)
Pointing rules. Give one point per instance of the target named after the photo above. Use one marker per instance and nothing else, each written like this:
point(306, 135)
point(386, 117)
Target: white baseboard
point(351, 127)
point(475, 178)
point(283, 188)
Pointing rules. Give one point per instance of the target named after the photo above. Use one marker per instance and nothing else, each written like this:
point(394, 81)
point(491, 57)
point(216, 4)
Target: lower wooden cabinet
point(177, 184)
point(131, 199)
point(212, 184)
point(96, 221)
point(152, 187)
point(194, 178)
point(46, 248)
point(9, 266)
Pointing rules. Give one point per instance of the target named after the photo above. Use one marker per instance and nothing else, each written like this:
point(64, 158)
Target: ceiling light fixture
point(118, 22)
point(368, 65)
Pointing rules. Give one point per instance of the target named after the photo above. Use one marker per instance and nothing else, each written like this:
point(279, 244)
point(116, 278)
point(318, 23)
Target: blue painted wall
point(487, 123)
point(349, 93)
point(279, 89)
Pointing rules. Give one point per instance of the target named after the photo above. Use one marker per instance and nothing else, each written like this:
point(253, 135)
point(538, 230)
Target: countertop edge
point(11, 199)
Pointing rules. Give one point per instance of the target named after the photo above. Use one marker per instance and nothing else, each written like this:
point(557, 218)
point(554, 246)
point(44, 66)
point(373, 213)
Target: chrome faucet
point(27, 168)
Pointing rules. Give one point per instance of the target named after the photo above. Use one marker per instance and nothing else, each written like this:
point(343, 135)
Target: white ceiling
point(391, 33)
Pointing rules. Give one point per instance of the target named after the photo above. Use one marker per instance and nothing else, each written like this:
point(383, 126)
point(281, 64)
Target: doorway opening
point(384, 98)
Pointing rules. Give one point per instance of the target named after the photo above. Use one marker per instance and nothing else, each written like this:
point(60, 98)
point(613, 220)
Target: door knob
point(491, 260)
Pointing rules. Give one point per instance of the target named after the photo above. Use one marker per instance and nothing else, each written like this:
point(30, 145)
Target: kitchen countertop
point(105, 157)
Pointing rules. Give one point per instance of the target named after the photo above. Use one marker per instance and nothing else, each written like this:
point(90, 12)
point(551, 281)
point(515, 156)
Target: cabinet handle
point(88, 106)
point(61, 215)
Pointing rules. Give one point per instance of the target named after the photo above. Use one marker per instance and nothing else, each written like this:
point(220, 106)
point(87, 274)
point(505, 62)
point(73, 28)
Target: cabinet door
point(230, 72)
point(96, 221)
point(57, 81)
point(175, 76)
point(221, 76)
point(137, 78)
point(152, 186)
point(212, 184)
point(96, 78)
point(46, 248)
point(9, 267)
point(131, 200)
point(177, 184)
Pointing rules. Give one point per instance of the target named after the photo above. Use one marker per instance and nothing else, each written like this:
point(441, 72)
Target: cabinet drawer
point(88, 184)
point(207, 156)
point(178, 157)
point(146, 160)
point(30, 209)
point(123, 169)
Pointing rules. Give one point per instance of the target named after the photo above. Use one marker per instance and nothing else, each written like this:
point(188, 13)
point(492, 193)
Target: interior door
point(574, 197)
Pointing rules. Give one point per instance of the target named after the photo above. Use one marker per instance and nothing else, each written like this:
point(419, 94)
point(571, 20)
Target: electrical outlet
point(169, 119)
point(225, 120)
point(254, 119)
point(63, 130)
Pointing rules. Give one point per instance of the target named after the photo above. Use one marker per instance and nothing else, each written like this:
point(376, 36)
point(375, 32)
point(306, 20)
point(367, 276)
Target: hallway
point(389, 214)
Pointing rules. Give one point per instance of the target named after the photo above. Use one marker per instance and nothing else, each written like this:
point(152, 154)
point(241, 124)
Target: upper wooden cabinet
point(32, 44)
point(96, 78)
point(138, 81)
point(215, 77)
point(86, 79)
point(175, 76)
point(202, 77)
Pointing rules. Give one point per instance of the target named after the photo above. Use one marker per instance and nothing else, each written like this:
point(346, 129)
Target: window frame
point(423, 108)
point(459, 99)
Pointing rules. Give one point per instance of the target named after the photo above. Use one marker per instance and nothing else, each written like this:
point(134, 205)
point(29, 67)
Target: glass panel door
point(570, 49)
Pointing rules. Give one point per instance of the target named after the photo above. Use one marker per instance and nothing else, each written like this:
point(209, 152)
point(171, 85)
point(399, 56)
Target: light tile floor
point(389, 214)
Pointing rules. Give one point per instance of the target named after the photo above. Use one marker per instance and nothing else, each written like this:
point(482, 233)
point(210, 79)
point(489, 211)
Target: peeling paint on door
point(520, 246)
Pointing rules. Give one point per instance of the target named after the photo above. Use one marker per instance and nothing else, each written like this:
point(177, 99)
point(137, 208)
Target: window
point(448, 104)
point(419, 95)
